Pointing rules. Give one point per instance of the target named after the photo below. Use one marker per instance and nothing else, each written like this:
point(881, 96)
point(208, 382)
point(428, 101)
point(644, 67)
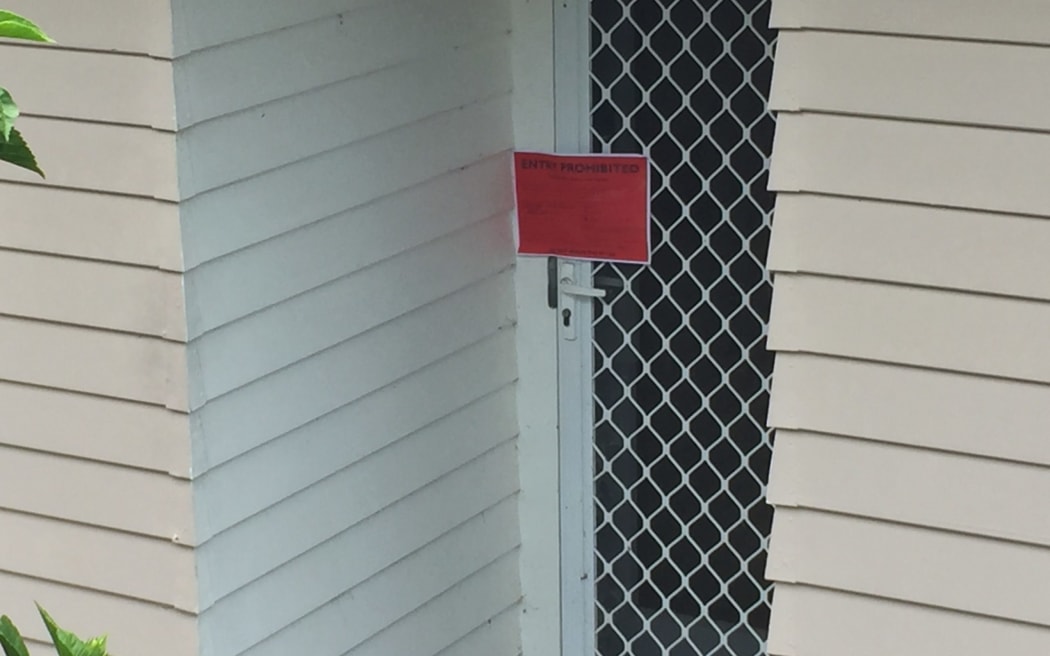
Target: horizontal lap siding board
point(287, 595)
point(238, 353)
point(371, 230)
point(140, 300)
point(342, 46)
point(140, 567)
point(132, 27)
point(137, 435)
point(487, 601)
point(81, 359)
point(335, 182)
point(96, 505)
point(91, 86)
point(949, 330)
point(947, 248)
point(1003, 418)
point(133, 627)
point(247, 142)
point(894, 482)
point(499, 635)
point(203, 25)
point(128, 501)
point(322, 255)
point(948, 165)
point(317, 449)
point(83, 224)
point(121, 159)
point(912, 78)
point(910, 319)
point(374, 483)
point(910, 563)
point(450, 560)
point(870, 626)
point(1023, 21)
point(346, 208)
point(267, 408)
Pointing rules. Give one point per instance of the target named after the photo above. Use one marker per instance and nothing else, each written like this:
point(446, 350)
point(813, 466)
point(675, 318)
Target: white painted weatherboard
point(344, 172)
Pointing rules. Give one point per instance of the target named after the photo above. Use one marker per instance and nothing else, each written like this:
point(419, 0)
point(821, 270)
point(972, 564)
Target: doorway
point(675, 453)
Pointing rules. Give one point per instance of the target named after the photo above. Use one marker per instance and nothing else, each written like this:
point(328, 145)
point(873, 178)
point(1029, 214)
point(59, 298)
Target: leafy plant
point(66, 643)
point(13, 148)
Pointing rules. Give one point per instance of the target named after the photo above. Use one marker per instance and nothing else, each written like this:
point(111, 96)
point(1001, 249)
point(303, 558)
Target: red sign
point(588, 207)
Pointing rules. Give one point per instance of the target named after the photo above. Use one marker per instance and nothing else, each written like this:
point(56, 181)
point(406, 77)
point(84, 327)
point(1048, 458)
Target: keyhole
point(566, 317)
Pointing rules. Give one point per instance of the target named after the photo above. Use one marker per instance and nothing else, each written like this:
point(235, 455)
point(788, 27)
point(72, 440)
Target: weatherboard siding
point(95, 504)
point(345, 199)
point(126, 27)
point(910, 319)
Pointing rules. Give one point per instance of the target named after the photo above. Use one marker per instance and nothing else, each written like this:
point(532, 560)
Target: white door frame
point(576, 467)
point(551, 112)
point(533, 65)
point(575, 349)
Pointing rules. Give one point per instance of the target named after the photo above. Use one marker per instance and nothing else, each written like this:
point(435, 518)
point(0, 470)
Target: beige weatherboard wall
point(257, 328)
point(911, 317)
point(95, 503)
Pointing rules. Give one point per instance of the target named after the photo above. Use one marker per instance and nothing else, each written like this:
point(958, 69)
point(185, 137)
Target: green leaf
point(59, 636)
point(8, 113)
point(68, 644)
point(11, 639)
point(16, 151)
point(13, 26)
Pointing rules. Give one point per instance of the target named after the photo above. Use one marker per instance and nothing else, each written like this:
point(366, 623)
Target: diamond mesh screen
point(681, 375)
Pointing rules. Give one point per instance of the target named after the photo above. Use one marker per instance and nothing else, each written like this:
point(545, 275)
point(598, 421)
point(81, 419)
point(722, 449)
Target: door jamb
point(575, 357)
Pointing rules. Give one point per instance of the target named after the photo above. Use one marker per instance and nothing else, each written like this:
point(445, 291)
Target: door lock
point(570, 292)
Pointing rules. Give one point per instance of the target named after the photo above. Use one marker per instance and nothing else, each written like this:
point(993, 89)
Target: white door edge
point(532, 42)
point(575, 355)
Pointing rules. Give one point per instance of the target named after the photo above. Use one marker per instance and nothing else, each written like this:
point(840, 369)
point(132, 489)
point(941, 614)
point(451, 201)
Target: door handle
point(566, 284)
point(570, 294)
point(567, 287)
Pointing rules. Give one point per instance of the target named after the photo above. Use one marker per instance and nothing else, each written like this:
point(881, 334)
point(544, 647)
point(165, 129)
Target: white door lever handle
point(570, 289)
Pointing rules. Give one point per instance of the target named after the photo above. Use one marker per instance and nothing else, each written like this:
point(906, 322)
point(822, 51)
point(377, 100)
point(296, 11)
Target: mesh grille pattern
point(681, 370)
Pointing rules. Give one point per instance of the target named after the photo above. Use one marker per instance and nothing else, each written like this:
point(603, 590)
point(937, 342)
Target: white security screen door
point(665, 380)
